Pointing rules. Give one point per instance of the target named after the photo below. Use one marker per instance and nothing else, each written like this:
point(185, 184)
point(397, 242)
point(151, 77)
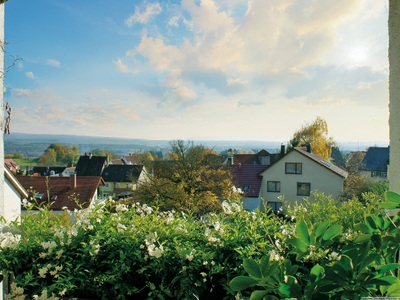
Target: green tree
point(193, 179)
point(59, 154)
point(316, 134)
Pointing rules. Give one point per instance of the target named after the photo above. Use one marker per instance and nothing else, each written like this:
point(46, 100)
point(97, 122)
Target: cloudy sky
point(198, 69)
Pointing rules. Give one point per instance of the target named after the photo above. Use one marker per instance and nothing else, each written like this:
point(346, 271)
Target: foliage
point(102, 152)
point(356, 186)
point(354, 162)
point(119, 251)
point(57, 154)
point(315, 134)
point(324, 261)
point(324, 249)
point(193, 179)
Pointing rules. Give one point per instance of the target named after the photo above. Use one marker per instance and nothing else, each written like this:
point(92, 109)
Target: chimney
point(282, 149)
point(308, 147)
point(73, 181)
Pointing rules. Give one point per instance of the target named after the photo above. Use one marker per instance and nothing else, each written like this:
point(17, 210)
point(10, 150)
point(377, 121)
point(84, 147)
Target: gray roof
point(376, 159)
point(121, 173)
point(323, 162)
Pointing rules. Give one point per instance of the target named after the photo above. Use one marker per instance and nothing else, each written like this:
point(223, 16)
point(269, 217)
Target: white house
point(296, 175)
point(14, 192)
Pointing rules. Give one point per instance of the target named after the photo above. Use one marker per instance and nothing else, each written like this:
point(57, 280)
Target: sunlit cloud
point(143, 17)
point(53, 62)
point(30, 75)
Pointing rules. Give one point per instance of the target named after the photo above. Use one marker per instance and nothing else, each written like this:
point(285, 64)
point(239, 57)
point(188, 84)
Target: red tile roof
point(248, 176)
point(61, 189)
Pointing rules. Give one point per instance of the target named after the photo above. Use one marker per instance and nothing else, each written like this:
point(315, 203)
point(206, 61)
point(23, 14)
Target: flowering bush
point(322, 250)
point(120, 251)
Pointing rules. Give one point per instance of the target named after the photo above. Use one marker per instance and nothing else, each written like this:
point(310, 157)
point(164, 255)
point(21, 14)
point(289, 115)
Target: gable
point(376, 159)
point(89, 165)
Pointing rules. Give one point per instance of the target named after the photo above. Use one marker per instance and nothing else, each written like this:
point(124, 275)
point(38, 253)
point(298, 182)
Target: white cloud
point(53, 62)
point(143, 17)
point(30, 75)
point(174, 21)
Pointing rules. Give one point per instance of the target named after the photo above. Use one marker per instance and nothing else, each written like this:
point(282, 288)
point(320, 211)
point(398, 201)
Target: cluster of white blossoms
point(143, 210)
point(9, 240)
point(210, 237)
point(51, 270)
point(274, 255)
point(190, 256)
point(121, 208)
point(230, 207)
point(152, 248)
point(48, 246)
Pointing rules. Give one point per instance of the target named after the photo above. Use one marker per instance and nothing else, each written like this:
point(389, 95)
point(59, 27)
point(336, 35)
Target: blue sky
point(198, 69)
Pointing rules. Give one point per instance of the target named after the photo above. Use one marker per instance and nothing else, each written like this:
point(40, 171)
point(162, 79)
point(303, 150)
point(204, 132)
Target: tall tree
point(193, 179)
point(59, 154)
point(315, 133)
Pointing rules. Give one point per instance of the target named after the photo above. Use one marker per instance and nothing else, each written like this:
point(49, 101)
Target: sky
point(198, 69)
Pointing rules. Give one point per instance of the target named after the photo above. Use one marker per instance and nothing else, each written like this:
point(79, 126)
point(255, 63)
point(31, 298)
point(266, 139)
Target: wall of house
point(394, 94)
point(321, 179)
point(12, 210)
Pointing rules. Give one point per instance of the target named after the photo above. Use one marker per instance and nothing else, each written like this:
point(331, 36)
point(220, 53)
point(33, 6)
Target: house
point(47, 170)
point(296, 175)
point(121, 179)
point(90, 165)
point(375, 163)
point(247, 179)
point(14, 192)
point(73, 192)
point(126, 160)
point(262, 157)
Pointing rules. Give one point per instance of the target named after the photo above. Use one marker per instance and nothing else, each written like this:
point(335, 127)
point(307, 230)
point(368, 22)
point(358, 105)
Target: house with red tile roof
point(73, 192)
point(247, 180)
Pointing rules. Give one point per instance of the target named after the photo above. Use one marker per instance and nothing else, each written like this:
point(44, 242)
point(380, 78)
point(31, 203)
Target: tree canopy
point(192, 179)
point(315, 133)
point(57, 154)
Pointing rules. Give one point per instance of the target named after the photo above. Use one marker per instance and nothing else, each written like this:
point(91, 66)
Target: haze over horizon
point(198, 69)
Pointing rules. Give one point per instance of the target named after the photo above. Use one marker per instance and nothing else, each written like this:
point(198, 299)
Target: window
point(275, 206)
point(273, 186)
point(303, 188)
point(378, 174)
point(293, 168)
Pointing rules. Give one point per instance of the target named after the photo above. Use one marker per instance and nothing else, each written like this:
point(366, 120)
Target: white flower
point(274, 256)
point(227, 208)
point(42, 272)
point(9, 240)
point(190, 256)
point(121, 208)
point(62, 293)
point(121, 228)
point(155, 251)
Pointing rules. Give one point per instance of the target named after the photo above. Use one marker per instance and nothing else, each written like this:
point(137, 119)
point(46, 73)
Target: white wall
point(12, 210)
point(394, 94)
point(321, 179)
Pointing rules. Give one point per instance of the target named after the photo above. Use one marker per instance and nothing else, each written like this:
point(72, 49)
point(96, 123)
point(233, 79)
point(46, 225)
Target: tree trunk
point(394, 95)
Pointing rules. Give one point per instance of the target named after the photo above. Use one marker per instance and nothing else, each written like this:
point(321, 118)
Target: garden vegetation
point(323, 249)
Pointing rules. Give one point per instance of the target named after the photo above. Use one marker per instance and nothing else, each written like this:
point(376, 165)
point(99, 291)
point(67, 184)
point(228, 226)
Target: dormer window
point(39, 196)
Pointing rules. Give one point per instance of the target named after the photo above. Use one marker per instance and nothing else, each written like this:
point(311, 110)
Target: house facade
point(296, 175)
point(14, 192)
point(375, 163)
point(121, 180)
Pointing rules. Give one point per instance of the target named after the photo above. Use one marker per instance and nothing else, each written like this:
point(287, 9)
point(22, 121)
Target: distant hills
point(33, 145)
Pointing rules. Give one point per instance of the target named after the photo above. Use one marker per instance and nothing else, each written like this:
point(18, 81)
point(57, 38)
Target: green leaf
point(298, 244)
point(394, 290)
point(302, 232)
point(387, 267)
point(332, 231)
point(371, 222)
point(320, 228)
point(252, 268)
point(258, 295)
point(240, 283)
point(362, 238)
point(317, 271)
point(392, 197)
